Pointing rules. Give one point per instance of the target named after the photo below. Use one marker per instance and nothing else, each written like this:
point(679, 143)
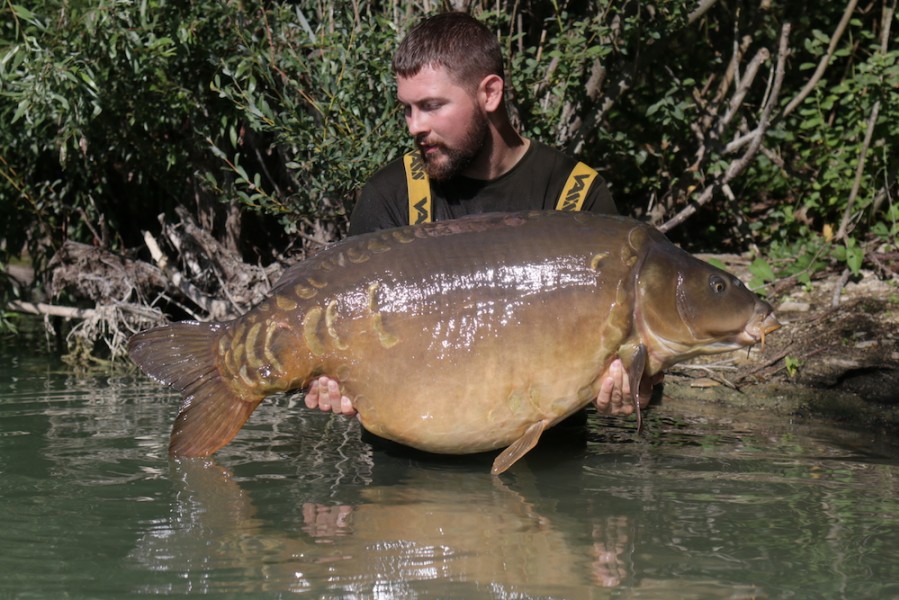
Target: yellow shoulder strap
point(575, 191)
point(419, 188)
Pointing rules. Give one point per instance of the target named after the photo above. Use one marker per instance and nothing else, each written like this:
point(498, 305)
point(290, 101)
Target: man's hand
point(615, 393)
point(324, 394)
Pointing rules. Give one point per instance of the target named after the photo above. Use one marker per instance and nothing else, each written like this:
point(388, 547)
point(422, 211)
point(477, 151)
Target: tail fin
point(184, 356)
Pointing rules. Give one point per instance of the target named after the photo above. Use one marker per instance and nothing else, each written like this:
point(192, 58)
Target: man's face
point(448, 124)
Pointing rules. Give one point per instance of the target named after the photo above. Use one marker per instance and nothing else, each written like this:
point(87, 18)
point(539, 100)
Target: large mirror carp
point(458, 336)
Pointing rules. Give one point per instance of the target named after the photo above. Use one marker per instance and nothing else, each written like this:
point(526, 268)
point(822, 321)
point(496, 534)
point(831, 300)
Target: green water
point(298, 505)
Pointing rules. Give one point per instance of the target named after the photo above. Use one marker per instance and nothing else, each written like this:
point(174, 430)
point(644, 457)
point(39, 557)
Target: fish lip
point(757, 329)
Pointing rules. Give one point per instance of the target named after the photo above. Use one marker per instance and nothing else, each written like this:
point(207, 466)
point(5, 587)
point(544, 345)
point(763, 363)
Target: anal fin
point(518, 448)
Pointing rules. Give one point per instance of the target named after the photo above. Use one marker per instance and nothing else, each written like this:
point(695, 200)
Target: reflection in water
point(437, 525)
point(711, 516)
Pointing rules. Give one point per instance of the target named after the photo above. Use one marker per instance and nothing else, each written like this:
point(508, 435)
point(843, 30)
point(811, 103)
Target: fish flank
point(284, 303)
point(305, 292)
point(250, 345)
point(356, 256)
point(269, 341)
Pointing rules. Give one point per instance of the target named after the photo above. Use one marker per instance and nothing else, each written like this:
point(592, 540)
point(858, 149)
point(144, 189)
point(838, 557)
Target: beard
point(446, 163)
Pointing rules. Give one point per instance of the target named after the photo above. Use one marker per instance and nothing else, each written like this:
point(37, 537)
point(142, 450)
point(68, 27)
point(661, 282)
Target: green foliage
point(328, 109)
point(792, 365)
point(107, 110)
point(822, 145)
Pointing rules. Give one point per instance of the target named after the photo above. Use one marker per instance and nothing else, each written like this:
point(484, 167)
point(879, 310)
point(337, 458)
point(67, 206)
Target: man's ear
point(490, 92)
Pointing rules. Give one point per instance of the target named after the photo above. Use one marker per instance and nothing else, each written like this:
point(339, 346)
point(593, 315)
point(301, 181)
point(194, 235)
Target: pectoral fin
point(518, 448)
point(635, 377)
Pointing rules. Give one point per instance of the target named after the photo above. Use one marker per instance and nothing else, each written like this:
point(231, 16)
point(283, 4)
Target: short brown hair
point(456, 41)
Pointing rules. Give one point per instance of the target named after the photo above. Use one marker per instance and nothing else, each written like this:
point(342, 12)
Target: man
point(450, 82)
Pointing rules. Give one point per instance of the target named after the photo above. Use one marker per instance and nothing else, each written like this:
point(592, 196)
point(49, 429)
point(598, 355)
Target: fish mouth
point(757, 329)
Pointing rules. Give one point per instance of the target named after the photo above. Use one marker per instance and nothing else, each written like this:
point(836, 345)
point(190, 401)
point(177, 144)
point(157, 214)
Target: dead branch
point(838, 288)
point(215, 278)
point(825, 60)
point(73, 312)
point(743, 87)
point(50, 310)
point(100, 275)
point(843, 231)
point(755, 137)
point(216, 309)
point(201, 278)
point(701, 127)
point(703, 7)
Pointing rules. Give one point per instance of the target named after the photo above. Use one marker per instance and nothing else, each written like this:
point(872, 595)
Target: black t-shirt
point(535, 183)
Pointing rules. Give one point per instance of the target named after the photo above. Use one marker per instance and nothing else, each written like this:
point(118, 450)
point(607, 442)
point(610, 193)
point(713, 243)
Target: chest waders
point(571, 199)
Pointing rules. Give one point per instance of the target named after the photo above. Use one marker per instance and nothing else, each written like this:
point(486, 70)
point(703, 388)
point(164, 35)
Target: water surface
point(298, 504)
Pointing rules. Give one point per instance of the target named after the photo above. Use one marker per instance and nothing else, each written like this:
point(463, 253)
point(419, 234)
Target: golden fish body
point(459, 336)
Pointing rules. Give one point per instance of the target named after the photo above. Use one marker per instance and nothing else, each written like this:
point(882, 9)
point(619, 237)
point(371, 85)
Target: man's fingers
point(604, 399)
point(346, 407)
point(612, 398)
point(619, 404)
point(311, 397)
point(333, 396)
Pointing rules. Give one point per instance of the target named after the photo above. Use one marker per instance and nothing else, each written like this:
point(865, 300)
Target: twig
point(825, 60)
point(73, 312)
point(736, 100)
point(859, 172)
point(700, 10)
point(50, 310)
point(869, 132)
point(838, 288)
point(159, 258)
point(739, 165)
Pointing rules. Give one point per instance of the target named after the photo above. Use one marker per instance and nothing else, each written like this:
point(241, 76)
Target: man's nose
point(416, 122)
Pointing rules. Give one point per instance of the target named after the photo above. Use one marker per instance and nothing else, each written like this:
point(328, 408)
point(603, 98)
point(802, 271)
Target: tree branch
point(825, 60)
point(700, 10)
point(755, 137)
point(886, 21)
point(843, 231)
point(73, 312)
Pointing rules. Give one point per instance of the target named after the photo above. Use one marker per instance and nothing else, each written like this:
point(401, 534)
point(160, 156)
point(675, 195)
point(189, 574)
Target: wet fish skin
point(458, 336)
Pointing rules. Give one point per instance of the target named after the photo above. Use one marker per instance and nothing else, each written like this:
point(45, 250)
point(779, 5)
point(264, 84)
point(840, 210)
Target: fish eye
point(718, 284)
